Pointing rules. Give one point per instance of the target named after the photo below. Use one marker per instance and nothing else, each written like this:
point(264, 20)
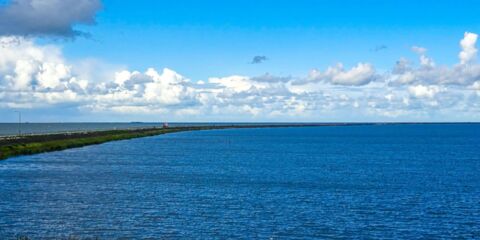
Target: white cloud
point(476, 85)
point(33, 76)
point(38, 70)
point(51, 74)
point(464, 73)
point(148, 92)
point(235, 83)
point(424, 60)
point(421, 91)
point(361, 74)
point(469, 51)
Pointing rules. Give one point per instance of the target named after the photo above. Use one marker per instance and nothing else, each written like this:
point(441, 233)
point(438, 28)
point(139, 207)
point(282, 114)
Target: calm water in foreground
point(392, 181)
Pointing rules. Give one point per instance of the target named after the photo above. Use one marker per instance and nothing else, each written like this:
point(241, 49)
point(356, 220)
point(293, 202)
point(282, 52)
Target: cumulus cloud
point(476, 86)
point(235, 83)
point(40, 70)
point(46, 17)
point(38, 76)
point(421, 91)
point(465, 73)
point(469, 50)
point(149, 91)
point(361, 74)
point(424, 60)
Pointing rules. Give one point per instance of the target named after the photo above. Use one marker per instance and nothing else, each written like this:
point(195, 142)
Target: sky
point(240, 61)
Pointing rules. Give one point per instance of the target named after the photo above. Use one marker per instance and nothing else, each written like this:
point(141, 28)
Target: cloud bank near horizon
point(38, 76)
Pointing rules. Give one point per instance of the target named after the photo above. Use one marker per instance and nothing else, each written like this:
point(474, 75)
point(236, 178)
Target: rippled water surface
point(385, 181)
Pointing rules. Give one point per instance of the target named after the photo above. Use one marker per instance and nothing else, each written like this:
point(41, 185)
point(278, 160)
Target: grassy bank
point(27, 145)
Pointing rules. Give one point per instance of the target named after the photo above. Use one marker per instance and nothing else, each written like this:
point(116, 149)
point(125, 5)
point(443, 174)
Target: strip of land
point(33, 144)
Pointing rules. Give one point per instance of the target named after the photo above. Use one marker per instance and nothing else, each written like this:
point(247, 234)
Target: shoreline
point(14, 146)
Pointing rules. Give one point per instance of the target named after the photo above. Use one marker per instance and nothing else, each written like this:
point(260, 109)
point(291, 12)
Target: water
point(9, 129)
point(356, 182)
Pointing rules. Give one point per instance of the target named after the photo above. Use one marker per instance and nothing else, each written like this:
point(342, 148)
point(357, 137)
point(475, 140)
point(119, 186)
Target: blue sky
point(204, 40)
point(207, 38)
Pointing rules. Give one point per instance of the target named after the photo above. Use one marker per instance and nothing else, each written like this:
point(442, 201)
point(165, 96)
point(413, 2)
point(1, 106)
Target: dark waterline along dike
point(39, 143)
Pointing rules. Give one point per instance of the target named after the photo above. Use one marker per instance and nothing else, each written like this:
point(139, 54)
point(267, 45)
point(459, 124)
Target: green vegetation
point(27, 145)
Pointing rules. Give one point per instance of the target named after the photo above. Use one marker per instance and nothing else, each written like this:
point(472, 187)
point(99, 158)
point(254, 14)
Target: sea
point(26, 128)
point(393, 181)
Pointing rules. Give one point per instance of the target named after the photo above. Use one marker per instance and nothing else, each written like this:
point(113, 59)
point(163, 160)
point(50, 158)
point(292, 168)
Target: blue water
point(10, 129)
point(356, 182)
